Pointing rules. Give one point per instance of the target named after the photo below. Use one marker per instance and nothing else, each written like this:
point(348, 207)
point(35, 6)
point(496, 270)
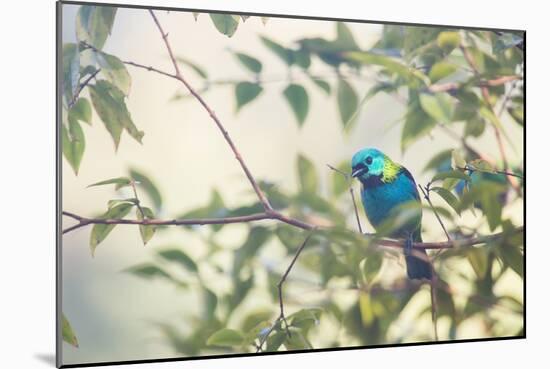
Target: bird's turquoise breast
point(383, 200)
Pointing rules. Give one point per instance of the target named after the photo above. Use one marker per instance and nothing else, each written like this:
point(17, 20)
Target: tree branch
point(179, 77)
point(273, 215)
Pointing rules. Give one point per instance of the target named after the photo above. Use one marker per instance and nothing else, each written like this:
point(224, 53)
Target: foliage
point(410, 63)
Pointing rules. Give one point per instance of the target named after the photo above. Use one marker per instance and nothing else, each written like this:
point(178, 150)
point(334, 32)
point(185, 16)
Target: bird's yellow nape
point(390, 171)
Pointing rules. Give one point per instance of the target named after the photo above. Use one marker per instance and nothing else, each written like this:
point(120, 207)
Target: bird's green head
point(370, 164)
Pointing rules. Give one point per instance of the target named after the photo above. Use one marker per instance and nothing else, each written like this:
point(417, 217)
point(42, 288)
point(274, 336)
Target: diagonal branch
point(192, 91)
point(282, 319)
point(352, 195)
point(81, 87)
point(426, 193)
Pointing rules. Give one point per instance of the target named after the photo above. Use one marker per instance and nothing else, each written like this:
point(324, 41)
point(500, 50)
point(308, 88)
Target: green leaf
point(215, 209)
point(449, 198)
point(297, 98)
point(71, 70)
point(178, 256)
point(347, 101)
point(481, 165)
point(226, 338)
point(305, 318)
point(108, 102)
point(146, 231)
point(512, 257)
point(94, 24)
point(309, 181)
point(478, 258)
point(366, 308)
point(439, 161)
point(492, 208)
point(413, 76)
point(441, 70)
point(322, 84)
point(119, 182)
point(372, 265)
point(200, 71)
point(114, 202)
point(275, 340)
point(344, 37)
point(148, 271)
point(439, 106)
point(254, 318)
point(448, 40)
point(115, 71)
point(373, 91)
point(457, 159)
point(251, 63)
point(246, 92)
point(286, 55)
point(417, 125)
point(67, 332)
point(474, 127)
point(302, 58)
point(148, 186)
point(257, 237)
point(297, 341)
point(225, 23)
point(81, 110)
point(210, 303)
point(101, 231)
point(73, 141)
point(451, 174)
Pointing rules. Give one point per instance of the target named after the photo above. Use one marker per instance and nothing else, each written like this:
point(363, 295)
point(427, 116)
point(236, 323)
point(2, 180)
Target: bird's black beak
point(359, 171)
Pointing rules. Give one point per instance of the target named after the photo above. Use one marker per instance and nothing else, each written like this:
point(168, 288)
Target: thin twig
point(150, 69)
point(263, 200)
point(352, 194)
point(138, 204)
point(355, 209)
point(472, 169)
point(426, 194)
point(282, 319)
point(81, 87)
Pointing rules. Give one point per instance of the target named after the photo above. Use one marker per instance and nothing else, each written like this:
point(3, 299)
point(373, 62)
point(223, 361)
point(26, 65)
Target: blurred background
point(119, 315)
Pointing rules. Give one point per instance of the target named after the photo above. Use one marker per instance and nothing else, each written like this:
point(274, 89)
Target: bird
point(386, 190)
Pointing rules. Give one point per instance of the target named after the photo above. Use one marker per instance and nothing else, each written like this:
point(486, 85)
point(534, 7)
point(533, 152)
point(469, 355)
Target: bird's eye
point(369, 160)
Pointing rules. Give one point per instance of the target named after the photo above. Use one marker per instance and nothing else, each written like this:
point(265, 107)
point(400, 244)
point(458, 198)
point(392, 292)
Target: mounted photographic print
point(251, 184)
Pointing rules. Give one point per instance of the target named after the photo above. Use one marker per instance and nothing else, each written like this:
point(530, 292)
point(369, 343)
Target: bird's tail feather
point(418, 268)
